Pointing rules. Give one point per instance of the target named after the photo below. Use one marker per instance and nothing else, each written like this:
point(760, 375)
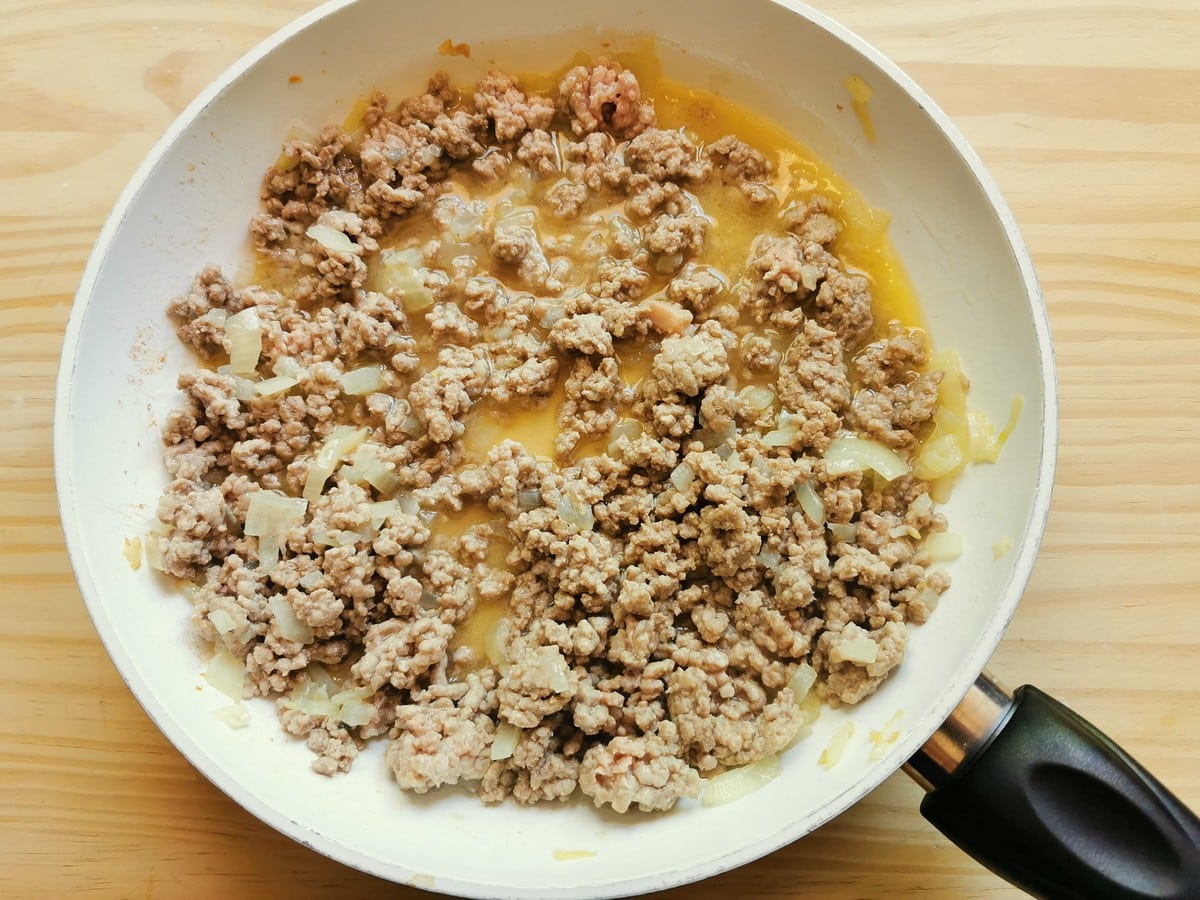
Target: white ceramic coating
point(188, 205)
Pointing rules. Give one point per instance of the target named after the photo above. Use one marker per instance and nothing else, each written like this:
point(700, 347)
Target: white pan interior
point(188, 206)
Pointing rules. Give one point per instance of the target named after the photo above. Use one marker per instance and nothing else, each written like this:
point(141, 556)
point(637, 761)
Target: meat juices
point(617, 620)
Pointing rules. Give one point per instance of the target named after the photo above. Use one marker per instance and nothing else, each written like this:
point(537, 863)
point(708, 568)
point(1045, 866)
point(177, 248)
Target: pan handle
point(1042, 798)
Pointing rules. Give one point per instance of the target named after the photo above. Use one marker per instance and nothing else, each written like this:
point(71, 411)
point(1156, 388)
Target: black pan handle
point(1045, 800)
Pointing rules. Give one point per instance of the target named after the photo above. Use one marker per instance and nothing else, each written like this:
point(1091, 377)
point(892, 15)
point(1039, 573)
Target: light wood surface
point(1088, 114)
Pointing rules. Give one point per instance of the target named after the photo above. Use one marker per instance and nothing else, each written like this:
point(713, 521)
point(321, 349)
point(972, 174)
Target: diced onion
point(380, 512)
point(944, 546)
point(832, 754)
point(243, 389)
point(287, 366)
point(153, 550)
point(352, 708)
point(810, 502)
point(575, 513)
point(132, 549)
point(494, 644)
point(922, 506)
point(268, 551)
point(505, 741)
point(412, 426)
point(272, 513)
point(938, 456)
point(312, 699)
point(929, 597)
point(904, 531)
point(858, 649)
point(336, 538)
point(226, 674)
point(366, 380)
point(341, 442)
point(769, 559)
point(843, 533)
point(234, 715)
point(803, 681)
point(331, 239)
point(244, 332)
point(269, 387)
point(403, 274)
point(527, 500)
point(737, 783)
point(1001, 547)
point(222, 621)
point(289, 623)
point(851, 454)
point(553, 669)
point(408, 504)
point(375, 471)
point(311, 580)
point(682, 476)
point(756, 399)
point(780, 437)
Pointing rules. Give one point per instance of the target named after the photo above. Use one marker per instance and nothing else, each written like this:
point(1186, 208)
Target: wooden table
point(1087, 112)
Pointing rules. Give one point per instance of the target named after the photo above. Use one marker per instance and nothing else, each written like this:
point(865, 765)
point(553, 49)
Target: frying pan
point(1020, 782)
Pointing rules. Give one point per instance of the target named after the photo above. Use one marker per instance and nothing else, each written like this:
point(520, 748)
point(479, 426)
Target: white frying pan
point(1027, 788)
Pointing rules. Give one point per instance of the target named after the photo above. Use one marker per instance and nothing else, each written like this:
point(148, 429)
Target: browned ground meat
point(643, 548)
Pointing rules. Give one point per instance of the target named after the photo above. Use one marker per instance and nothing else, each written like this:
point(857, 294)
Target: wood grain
point(1088, 115)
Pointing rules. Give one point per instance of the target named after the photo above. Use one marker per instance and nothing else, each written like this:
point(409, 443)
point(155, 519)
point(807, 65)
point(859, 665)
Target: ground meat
point(639, 771)
point(510, 111)
point(604, 96)
point(564, 505)
point(743, 166)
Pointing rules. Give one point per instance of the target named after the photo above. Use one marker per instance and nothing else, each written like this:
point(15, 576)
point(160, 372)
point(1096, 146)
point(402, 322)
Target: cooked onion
point(527, 500)
point(311, 580)
point(270, 512)
point(244, 332)
point(737, 783)
point(152, 547)
point(269, 387)
point(803, 681)
point(832, 754)
point(402, 273)
point(380, 512)
point(366, 380)
point(132, 549)
point(852, 454)
point(944, 546)
point(575, 512)
point(769, 559)
point(922, 506)
point(756, 399)
point(843, 533)
point(331, 239)
point(810, 502)
point(780, 437)
point(352, 708)
point(234, 715)
point(226, 674)
point(858, 649)
point(289, 623)
point(375, 471)
point(938, 457)
point(285, 365)
point(341, 442)
point(682, 476)
point(494, 645)
point(222, 621)
point(505, 741)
